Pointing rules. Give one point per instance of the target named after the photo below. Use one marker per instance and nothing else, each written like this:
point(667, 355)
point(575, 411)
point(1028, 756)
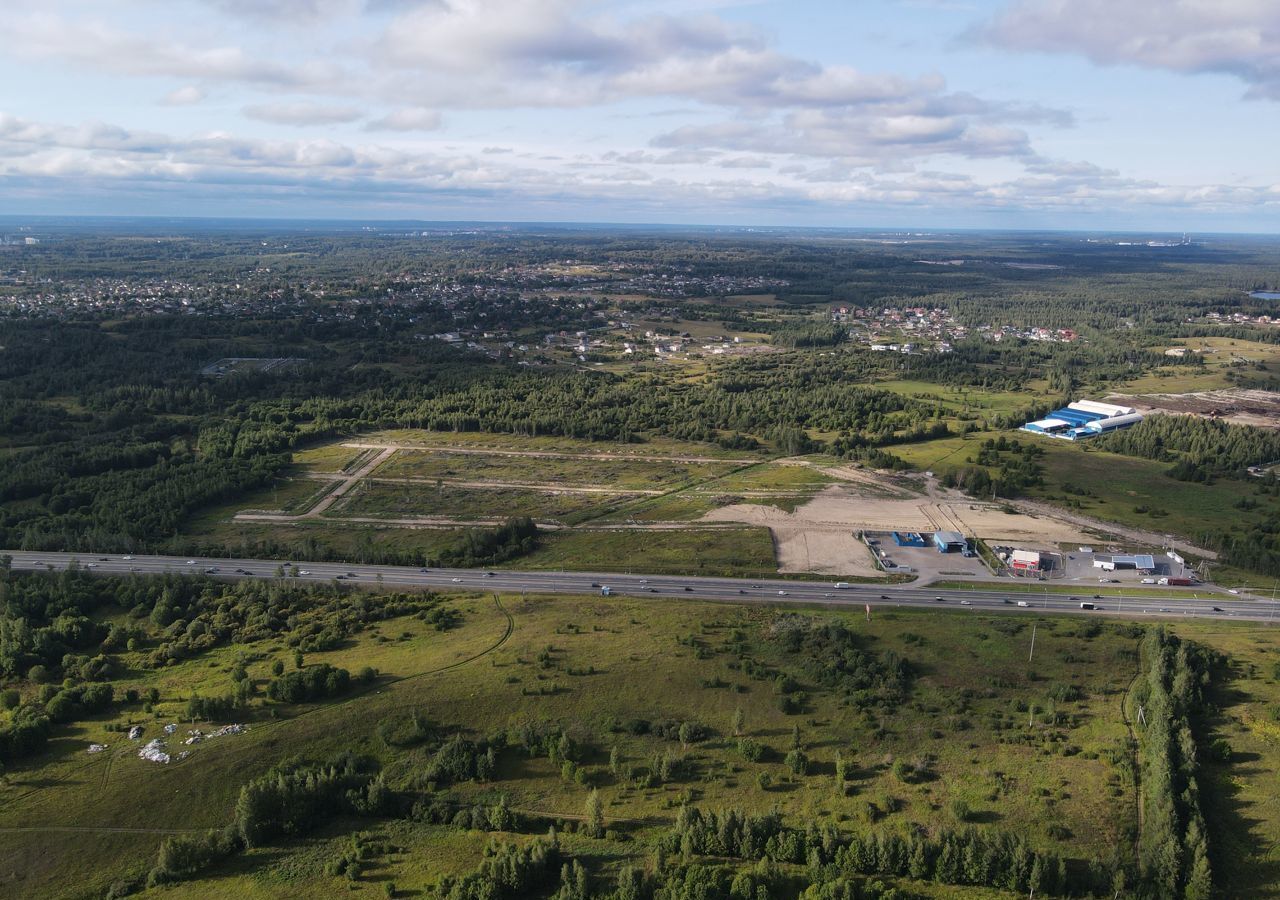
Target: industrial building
point(1084, 419)
point(950, 542)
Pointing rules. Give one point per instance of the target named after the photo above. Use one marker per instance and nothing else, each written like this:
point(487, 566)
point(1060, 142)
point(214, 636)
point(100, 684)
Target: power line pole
point(1032, 654)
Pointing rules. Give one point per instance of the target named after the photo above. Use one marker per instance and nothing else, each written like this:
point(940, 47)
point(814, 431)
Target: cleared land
point(812, 507)
point(1241, 406)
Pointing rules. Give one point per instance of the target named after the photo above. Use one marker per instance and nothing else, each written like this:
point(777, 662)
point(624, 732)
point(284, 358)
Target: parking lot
point(927, 562)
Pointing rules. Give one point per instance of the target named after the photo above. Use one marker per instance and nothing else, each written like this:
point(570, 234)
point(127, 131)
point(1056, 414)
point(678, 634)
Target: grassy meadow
point(979, 737)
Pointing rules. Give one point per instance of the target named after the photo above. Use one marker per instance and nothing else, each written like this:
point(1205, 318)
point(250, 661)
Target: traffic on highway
point(640, 585)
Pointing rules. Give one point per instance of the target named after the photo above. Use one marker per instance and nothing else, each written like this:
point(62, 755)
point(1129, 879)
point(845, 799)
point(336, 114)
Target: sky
point(1086, 114)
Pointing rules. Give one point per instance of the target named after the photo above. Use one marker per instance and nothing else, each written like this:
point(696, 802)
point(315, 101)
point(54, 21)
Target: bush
point(798, 762)
point(312, 683)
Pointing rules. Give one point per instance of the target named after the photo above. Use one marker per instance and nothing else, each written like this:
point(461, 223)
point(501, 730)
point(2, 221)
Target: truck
point(1177, 582)
point(1087, 605)
point(842, 584)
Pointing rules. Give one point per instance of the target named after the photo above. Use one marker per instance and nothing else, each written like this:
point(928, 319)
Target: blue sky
point(1146, 114)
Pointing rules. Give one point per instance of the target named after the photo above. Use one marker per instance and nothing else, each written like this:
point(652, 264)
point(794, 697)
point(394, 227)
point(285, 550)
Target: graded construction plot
point(962, 734)
point(813, 506)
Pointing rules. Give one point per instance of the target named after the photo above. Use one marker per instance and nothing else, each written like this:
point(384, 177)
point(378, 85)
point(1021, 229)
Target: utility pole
point(1032, 654)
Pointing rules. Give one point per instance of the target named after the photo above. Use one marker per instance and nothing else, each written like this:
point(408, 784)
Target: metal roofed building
point(950, 541)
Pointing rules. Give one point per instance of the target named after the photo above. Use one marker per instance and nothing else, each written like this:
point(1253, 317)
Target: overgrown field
point(487, 715)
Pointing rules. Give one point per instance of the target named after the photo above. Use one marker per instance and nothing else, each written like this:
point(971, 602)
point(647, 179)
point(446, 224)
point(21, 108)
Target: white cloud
point(1230, 37)
point(183, 96)
point(406, 119)
point(302, 113)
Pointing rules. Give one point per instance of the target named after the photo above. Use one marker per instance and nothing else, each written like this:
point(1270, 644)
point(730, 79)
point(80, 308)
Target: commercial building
point(1024, 561)
point(1142, 562)
point(1084, 419)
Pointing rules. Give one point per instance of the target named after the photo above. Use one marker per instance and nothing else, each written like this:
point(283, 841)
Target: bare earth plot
point(1243, 407)
point(822, 535)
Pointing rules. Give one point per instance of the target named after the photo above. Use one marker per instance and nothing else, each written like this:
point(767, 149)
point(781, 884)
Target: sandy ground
point(821, 535)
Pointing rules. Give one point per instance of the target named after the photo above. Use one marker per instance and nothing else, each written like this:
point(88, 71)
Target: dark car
point(687, 588)
point(1216, 608)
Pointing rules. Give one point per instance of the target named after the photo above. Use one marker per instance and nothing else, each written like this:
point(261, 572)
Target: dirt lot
point(821, 535)
point(1243, 407)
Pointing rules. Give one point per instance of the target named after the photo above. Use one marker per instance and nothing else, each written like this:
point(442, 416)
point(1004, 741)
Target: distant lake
point(1265, 295)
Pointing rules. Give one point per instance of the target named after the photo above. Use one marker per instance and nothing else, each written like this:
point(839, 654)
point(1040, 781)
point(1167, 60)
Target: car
point(653, 590)
point(1216, 608)
point(102, 559)
point(351, 575)
point(247, 572)
point(210, 570)
point(424, 569)
point(340, 578)
point(457, 581)
point(1097, 596)
point(1023, 603)
point(91, 565)
point(741, 591)
point(939, 599)
point(304, 571)
point(191, 562)
point(827, 595)
point(782, 593)
point(756, 586)
point(884, 596)
point(966, 603)
point(689, 589)
point(1075, 599)
point(126, 558)
point(644, 580)
point(1232, 591)
point(239, 571)
point(1162, 609)
point(487, 575)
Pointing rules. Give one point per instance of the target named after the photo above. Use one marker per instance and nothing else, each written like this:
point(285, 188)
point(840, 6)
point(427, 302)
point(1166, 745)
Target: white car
point(1232, 591)
point(457, 581)
point(126, 558)
point(782, 593)
point(304, 572)
point(191, 562)
point(966, 603)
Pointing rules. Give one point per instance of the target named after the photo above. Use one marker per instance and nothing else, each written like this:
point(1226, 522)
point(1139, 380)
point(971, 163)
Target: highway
point(737, 590)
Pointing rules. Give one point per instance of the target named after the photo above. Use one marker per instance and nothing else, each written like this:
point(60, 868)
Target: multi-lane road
point(738, 590)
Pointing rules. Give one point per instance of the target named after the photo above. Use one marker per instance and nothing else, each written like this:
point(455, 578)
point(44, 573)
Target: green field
point(742, 552)
point(392, 500)
point(616, 473)
point(1240, 797)
point(977, 734)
